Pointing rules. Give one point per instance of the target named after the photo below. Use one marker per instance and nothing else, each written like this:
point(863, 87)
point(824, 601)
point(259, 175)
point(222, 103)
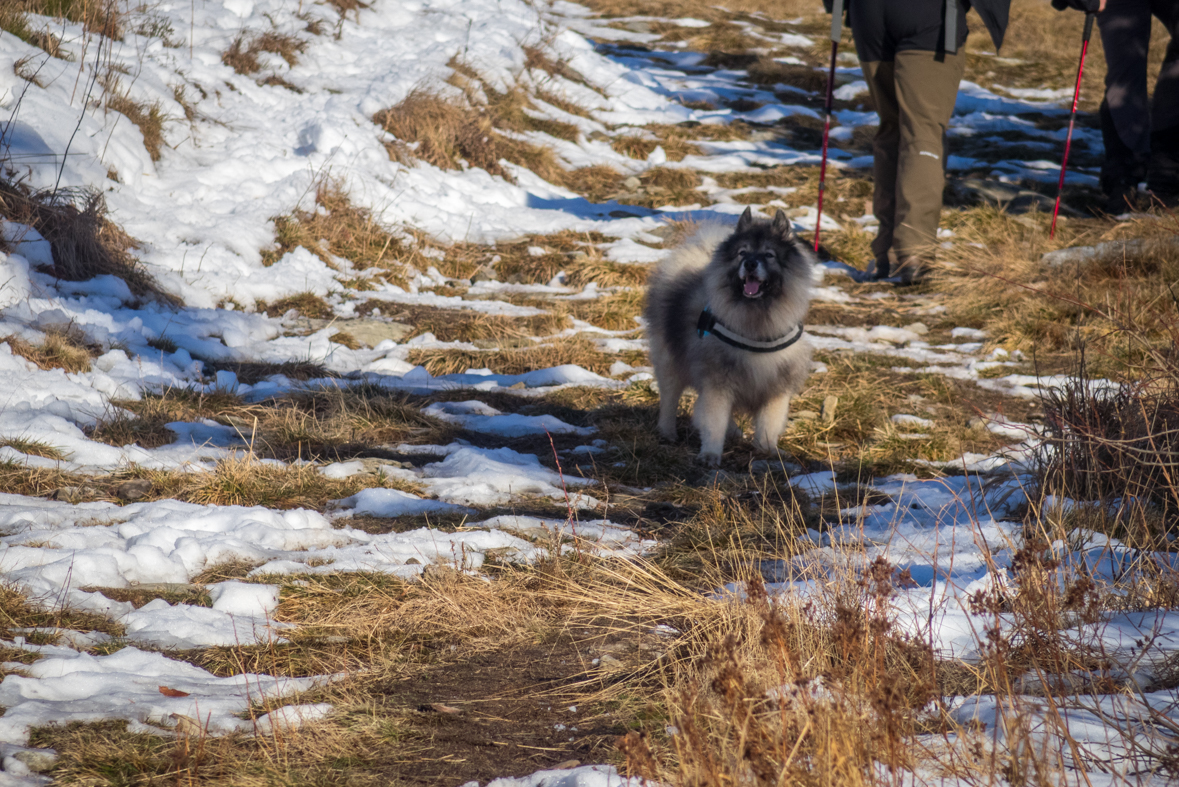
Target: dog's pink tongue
point(752, 287)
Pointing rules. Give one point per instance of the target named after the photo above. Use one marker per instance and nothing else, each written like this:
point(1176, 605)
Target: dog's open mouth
point(752, 287)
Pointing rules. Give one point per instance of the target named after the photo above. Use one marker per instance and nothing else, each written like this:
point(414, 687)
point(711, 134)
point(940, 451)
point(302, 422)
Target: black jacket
point(994, 14)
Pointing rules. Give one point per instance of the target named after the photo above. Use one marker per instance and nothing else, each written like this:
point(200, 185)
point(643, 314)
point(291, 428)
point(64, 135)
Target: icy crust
point(66, 686)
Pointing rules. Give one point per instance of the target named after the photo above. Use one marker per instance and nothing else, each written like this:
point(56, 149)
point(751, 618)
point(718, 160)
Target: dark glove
point(1088, 6)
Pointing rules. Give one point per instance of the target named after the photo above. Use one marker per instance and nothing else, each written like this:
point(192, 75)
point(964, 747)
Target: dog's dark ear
point(782, 225)
point(746, 220)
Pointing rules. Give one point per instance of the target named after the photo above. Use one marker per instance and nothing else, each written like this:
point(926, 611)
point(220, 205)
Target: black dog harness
point(708, 324)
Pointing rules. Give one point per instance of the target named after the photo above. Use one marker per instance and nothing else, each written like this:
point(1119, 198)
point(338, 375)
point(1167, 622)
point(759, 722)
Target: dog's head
point(760, 257)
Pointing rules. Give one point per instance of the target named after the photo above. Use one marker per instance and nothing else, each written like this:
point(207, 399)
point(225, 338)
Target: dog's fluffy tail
point(695, 253)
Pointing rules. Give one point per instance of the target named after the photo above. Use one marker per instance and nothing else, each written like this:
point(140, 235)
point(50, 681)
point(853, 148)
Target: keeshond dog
point(724, 316)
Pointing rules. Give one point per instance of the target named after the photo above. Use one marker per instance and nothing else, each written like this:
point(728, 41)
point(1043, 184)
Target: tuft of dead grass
point(148, 118)
point(481, 128)
point(307, 304)
point(84, 241)
point(243, 55)
point(336, 227)
point(62, 349)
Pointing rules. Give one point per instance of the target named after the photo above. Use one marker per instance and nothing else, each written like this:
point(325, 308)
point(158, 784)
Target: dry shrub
point(820, 692)
point(62, 349)
point(85, 243)
point(1118, 444)
point(242, 54)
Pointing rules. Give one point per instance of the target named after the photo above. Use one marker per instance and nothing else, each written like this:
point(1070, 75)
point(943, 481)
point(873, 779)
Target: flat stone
point(368, 331)
point(37, 760)
point(632, 183)
point(805, 415)
point(828, 411)
point(133, 490)
point(486, 273)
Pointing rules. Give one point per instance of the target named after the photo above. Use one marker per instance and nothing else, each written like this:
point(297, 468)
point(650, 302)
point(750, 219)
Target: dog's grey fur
point(709, 271)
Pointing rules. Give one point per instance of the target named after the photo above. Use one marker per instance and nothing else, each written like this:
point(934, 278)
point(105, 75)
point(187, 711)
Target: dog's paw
point(708, 460)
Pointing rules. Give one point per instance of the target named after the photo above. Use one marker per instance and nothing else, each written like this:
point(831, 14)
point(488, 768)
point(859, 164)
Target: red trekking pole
point(836, 34)
point(1068, 141)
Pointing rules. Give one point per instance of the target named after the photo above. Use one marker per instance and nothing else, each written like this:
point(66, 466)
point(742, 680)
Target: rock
point(133, 490)
point(918, 328)
point(624, 214)
point(632, 183)
point(37, 760)
point(1114, 249)
point(369, 332)
point(576, 254)
point(73, 494)
point(486, 273)
point(610, 663)
point(828, 411)
point(568, 765)
point(805, 415)
point(413, 561)
point(977, 424)
point(516, 278)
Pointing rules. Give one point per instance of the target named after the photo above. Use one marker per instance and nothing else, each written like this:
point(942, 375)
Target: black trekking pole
point(1068, 141)
point(836, 34)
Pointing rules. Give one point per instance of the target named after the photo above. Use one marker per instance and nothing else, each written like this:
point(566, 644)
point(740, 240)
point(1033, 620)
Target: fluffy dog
point(724, 316)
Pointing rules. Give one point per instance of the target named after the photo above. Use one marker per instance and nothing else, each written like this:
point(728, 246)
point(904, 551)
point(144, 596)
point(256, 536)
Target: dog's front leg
point(770, 422)
point(714, 411)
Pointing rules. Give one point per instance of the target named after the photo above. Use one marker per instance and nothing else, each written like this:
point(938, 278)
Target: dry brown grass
point(85, 243)
point(17, 612)
point(104, 17)
point(1053, 312)
point(573, 350)
point(307, 304)
point(329, 425)
point(462, 325)
point(243, 54)
point(62, 349)
point(148, 118)
point(481, 129)
point(336, 227)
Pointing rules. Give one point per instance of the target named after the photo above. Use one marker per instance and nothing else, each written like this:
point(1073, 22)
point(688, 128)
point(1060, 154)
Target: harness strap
point(709, 325)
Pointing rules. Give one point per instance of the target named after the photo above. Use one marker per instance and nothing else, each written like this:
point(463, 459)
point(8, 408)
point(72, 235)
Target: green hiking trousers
point(914, 96)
